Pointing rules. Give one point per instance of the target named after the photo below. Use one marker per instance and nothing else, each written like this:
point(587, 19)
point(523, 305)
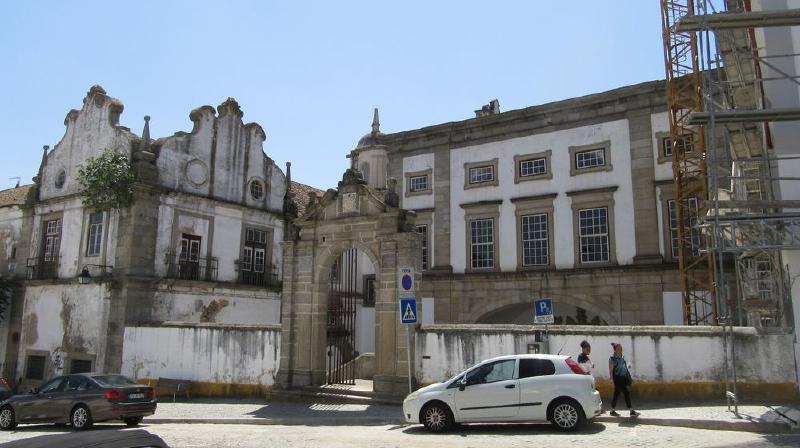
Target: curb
point(747, 426)
point(312, 421)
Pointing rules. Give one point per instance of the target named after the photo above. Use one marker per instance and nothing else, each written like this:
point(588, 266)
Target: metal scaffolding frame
point(743, 222)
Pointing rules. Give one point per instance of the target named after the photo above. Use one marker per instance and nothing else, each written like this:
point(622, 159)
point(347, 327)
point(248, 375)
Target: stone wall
point(669, 362)
point(219, 360)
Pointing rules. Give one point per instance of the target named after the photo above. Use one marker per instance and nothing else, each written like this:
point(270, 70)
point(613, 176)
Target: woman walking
point(619, 373)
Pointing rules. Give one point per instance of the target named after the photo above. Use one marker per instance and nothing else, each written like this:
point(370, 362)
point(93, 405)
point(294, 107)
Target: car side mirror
point(462, 384)
point(34, 391)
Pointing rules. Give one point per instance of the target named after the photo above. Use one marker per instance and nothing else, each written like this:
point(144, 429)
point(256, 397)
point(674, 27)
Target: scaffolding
point(716, 77)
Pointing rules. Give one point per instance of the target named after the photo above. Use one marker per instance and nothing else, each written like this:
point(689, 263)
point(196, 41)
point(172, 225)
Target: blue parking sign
point(408, 311)
point(543, 311)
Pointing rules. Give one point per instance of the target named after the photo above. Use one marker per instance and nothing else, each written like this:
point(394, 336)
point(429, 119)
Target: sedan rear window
point(113, 381)
point(535, 367)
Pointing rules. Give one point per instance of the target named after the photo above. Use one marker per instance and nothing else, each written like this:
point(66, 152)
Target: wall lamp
point(84, 278)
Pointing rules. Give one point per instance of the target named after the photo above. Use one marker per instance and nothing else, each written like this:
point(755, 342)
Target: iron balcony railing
point(267, 279)
point(41, 268)
point(202, 269)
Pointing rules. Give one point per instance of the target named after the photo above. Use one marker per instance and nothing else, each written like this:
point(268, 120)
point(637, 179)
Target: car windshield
point(113, 381)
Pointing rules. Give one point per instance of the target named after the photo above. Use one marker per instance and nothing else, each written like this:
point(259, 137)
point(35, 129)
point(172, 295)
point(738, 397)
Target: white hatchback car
point(516, 388)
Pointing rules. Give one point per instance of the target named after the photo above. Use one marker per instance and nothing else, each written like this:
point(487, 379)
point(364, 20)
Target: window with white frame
point(481, 174)
point(190, 248)
point(482, 243)
point(590, 159)
point(666, 147)
point(593, 228)
point(691, 220)
point(419, 183)
point(532, 167)
point(94, 242)
point(535, 242)
point(423, 230)
point(52, 240)
point(254, 251)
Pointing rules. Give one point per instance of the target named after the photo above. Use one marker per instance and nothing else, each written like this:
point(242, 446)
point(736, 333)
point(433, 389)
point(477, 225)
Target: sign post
point(543, 314)
point(408, 309)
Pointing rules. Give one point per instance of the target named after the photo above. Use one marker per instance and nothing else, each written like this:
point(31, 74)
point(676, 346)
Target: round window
point(61, 178)
point(256, 189)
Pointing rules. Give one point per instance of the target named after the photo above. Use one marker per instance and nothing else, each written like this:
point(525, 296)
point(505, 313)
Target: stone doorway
point(352, 218)
point(350, 331)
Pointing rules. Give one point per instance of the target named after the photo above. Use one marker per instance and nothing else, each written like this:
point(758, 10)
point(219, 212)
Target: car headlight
point(412, 396)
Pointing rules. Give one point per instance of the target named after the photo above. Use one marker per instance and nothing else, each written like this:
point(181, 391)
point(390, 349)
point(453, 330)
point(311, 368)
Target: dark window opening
point(535, 367)
point(80, 366)
point(34, 369)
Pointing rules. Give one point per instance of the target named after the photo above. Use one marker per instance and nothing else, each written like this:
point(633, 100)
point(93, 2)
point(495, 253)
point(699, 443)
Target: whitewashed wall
point(658, 354)
point(184, 303)
point(206, 353)
point(65, 319)
point(559, 142)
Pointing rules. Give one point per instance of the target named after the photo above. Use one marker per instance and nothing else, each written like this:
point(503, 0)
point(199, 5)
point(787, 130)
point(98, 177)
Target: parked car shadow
point(507, 429)
point(106, 439)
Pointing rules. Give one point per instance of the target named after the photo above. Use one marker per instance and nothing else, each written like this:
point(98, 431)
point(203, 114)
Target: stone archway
point(353, 216)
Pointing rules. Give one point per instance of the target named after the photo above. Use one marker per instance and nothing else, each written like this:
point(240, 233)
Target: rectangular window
point(482, 243)
point(80, 366)
point(52, 240)
point(593, 226)
point(419, 183)
point(254, 254)
point(535, 242)
point(481, 174)
point(190, 248)
point(423, 230)
point(691, 220)
point(535, 367)
point(34, 368)
point(590, 159)
point(666, 145)
point(369, 290)
point(532, 167)
point(95, 240)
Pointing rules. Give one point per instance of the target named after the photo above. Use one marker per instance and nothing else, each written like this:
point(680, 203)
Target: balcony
point(40, 268)
point(268, 279)
point(203, 269)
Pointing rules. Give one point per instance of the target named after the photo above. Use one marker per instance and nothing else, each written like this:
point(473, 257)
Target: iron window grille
point(481, 174)
point(533, 167)
point(256, 189)
point(80, 366)
point(95, 239)
point(593, 225)
point(482, 243)
point(34, 367)
point(535, 242)
point(590, 159)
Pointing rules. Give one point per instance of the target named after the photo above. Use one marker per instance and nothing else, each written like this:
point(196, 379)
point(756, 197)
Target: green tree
point(107, 181)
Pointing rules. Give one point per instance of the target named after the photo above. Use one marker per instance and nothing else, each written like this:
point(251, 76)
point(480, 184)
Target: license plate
point(136, 396)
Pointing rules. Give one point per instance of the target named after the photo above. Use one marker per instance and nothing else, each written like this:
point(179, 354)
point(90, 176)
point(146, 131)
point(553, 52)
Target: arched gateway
point(321, 295)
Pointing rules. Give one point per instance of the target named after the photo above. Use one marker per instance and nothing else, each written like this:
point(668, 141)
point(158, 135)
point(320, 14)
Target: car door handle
point(510, 386)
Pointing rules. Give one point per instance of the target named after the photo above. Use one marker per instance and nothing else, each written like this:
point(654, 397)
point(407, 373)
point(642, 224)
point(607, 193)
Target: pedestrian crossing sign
point(408, 311)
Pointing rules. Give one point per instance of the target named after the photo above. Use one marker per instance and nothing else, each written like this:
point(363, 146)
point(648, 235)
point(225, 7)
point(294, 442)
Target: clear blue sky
point(308, 72)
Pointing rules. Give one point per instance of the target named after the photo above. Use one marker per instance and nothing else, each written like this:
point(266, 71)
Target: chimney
point(493, 108)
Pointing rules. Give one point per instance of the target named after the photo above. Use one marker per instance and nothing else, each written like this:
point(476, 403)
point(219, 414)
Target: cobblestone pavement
point(626, 434)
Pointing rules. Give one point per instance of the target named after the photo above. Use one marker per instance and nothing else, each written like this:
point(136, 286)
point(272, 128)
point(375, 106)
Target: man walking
point(583, 359)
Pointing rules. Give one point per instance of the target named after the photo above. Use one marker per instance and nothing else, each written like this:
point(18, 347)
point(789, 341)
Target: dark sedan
point(81, 400)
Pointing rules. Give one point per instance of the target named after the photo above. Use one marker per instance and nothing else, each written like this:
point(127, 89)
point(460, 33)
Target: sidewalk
point(751, 418)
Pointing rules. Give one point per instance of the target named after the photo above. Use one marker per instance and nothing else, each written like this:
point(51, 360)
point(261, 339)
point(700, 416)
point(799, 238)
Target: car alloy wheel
point(436, 418)
point(565, 416)
point(7, 418)
point(80, 418)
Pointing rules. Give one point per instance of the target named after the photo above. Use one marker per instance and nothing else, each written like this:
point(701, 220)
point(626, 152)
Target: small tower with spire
point(371, 156)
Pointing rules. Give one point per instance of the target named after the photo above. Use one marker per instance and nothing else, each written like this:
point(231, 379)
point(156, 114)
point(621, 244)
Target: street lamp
point(84, 278)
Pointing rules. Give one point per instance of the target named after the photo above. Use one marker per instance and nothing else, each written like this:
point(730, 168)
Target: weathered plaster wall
point(212, 302)
point(64, 320)
point(11, 221)
point(218, 224)
point(225, 355)
point(89, 132)
point(663, 358)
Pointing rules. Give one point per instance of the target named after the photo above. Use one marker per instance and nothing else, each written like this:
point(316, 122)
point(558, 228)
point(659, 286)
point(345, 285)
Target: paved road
point(597, 434)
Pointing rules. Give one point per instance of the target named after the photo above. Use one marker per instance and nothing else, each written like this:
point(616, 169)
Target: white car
point(516, 388)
